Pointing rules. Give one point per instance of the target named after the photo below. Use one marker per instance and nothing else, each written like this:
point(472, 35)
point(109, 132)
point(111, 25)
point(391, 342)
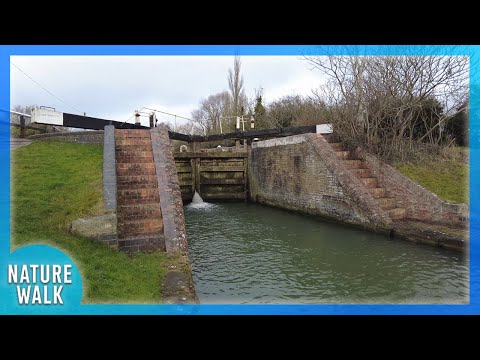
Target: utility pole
point(152, 120)
point(22, 126)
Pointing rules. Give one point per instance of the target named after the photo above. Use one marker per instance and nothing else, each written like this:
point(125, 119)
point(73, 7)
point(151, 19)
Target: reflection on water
point(247, 253)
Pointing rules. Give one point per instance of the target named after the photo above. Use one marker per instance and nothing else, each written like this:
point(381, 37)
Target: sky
point(113, 87)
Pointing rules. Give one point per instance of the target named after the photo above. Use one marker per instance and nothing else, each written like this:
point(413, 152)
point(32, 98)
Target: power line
point(195, 122)
point(166, 113)
point(55, 96)
point(181, 117)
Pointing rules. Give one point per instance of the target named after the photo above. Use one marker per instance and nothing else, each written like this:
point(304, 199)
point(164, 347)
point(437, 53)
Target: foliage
point(393, 104)
point(294, 110)
point(458, 125)
point(214, 114)
point(260, 113)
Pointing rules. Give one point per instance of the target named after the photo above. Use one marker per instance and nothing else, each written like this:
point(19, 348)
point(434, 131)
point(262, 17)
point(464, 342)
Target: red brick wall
point(419, 203)
point(140, 222)
point(302, 173)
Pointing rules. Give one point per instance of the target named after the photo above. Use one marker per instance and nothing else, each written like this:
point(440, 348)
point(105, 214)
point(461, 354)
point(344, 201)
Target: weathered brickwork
point(169, 192)
point(177, 287)
point(140, 223)
point(79, 137)
point(302, 173)
point(419, 203)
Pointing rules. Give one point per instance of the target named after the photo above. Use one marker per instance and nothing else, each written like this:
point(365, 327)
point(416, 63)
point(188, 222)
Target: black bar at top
point(86, 122)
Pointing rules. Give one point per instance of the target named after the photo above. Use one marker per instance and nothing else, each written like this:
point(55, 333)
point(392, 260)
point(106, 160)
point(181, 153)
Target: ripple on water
point(247, 253)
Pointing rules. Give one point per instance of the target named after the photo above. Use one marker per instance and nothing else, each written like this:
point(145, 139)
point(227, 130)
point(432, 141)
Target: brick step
point(361, 173)
point(128, 186)
point(139, 212)
point(369, 182)
point(149, 242)
point(137, 196)
point(353, 164)
point(337, 146)
point(130, 169)
point(147, 227)
point(397, 213)
point(129, 148)
point(137, 181)
point(377, 192)
point(132, 141)
point(133, 151)
point(129, 159)
point(343, 154)
point(136, 133)
point(387, 203)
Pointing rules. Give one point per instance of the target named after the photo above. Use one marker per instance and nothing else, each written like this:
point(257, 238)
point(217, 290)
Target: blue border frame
point(245, 50)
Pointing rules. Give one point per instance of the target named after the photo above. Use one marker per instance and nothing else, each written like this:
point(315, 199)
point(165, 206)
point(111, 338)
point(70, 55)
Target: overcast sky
point(112, 87)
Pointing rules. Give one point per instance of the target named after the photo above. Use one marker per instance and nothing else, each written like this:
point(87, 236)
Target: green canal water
point(248, 253)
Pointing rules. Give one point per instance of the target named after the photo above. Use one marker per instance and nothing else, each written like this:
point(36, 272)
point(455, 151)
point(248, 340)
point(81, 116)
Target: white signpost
point(48, 117)
point(324, 129)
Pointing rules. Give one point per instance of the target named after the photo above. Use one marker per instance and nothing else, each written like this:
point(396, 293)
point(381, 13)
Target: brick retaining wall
point(419, 203)
point(302, 173)
point(80, 137)
point(169, 191)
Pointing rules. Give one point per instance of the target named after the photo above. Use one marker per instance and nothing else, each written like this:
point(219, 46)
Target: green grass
point(446, 176)
point(54, 183)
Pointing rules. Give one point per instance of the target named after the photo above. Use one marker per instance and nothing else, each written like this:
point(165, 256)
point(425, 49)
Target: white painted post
point(137, 118)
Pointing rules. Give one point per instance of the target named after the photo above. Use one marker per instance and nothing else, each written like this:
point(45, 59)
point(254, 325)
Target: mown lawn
point(445, 176)
point(53, 183)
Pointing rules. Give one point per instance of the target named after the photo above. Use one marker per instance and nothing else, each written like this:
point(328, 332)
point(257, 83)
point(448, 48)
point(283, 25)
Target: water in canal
point(248, 253)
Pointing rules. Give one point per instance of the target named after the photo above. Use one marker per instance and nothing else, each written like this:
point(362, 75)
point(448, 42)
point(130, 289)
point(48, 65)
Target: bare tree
point(382, 101)
point(21, 109)
point(213, 113)
point(294, 110)
point(235, 84)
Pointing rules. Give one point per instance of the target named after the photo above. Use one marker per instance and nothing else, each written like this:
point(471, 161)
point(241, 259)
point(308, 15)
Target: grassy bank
point(54, 183)
point(445, 175)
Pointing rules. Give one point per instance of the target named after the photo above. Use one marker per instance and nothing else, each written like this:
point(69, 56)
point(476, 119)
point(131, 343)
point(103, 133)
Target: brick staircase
point(139, 217)
point(361, 171)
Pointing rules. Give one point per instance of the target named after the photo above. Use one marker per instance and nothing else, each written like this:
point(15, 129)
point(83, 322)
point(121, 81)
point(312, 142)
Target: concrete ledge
point(102, 228)
point(289, 140)
point(109, 169)
point(177, 287)
point(432, 234)
point(169, 191)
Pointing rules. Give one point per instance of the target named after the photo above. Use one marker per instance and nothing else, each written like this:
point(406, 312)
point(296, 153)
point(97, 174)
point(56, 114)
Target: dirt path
point(17, 142)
